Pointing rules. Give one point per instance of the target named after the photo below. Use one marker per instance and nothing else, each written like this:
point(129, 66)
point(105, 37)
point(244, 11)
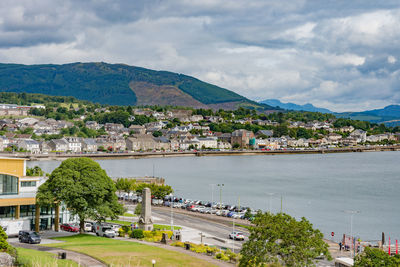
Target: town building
point(242, 137)
point(141, 142)
point(18, 207)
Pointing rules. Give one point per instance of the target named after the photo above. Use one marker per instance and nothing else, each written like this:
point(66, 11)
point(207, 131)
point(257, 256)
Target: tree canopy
point(282, 239)
point(84, 187)
point(375, 257)
point(35, 171)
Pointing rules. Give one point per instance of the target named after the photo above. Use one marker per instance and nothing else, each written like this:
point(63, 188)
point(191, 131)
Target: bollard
point(62, 255)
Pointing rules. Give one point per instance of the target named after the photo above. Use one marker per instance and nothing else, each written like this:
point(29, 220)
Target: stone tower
point(145, 220)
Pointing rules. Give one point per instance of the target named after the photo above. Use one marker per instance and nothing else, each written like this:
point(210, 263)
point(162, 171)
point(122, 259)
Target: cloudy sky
point(342, 55)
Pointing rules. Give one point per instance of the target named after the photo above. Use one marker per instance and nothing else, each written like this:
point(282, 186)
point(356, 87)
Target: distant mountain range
point(389, 115)
point(119, 84)
point(292, 106)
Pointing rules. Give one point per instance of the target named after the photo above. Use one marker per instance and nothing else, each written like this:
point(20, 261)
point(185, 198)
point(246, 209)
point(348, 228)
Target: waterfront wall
point(62, 156)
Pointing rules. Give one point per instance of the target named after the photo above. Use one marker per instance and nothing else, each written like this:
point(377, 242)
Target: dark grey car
point(29, 237)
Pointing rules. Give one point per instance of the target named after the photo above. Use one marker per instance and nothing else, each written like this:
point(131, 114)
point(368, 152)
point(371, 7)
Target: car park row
point(205, 207)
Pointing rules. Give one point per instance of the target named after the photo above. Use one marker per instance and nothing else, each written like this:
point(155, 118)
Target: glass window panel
point(8, 184)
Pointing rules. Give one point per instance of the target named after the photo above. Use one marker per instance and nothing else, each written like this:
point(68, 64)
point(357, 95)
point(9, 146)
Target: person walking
point(340, 246)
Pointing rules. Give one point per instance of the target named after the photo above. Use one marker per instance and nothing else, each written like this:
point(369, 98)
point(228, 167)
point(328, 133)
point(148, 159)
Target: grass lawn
point(243, 226)
point(156, 226)
point(126, 214)
point(125, 253)
point(165, 227)
point(120, 222)
point(35, 258)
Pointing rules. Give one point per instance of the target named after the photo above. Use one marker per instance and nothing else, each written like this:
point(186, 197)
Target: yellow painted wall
point(14, 167)
point(17, 201)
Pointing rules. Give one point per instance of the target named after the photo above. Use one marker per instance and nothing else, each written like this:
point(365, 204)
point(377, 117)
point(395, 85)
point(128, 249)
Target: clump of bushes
point(178, 244)
point(4, 246)
point(227, 255)
point(125, 230)
point(198, 248)
point(137, 233)
point(121, 232)
point(221, 256)
point(155, 236)
point(150, 236)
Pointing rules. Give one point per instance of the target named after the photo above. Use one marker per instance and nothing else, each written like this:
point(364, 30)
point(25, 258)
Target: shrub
point(212, 250)
point(198, 248)
point(121, 232)
point(178, 244)
point(155, 236)
point(4, 246)
point(222, 256)
point(137, 233)
point(148, 234)
point(232, 256)
point(126, 228)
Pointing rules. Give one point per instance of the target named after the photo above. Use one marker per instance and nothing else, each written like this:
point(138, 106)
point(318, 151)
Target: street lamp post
point(352, 212)
point(233, 227)
point(220, 195)
point(212, 194)
point(170, 204)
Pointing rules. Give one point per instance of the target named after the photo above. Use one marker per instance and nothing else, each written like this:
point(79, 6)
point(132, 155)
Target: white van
point(105, 231)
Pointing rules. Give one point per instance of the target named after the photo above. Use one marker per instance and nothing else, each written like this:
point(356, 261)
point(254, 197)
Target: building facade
point(18, 208)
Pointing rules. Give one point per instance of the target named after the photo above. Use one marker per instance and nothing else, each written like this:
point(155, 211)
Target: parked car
point(230, 214)
point(29, 237)
point(116, 227)
point(190, 207)
point(236, 236)
point(201, 209)
point(88, 226)
point(69, 227)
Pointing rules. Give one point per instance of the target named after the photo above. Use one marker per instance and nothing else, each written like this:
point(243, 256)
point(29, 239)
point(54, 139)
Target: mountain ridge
point(118, 84)
point(389, 115)
point(293, 106)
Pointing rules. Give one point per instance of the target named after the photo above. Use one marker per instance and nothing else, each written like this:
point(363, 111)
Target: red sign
point(333, 233)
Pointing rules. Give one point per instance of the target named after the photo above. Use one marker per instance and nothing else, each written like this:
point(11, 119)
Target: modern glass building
point(18, 208)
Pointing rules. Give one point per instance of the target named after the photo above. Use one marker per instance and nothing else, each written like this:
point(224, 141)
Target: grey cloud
point(331, 53)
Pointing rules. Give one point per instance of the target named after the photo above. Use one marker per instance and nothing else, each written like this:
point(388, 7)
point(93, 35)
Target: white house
point(29, 145)
point(74, 144)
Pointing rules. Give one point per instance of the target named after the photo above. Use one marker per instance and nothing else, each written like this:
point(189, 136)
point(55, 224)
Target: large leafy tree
point(376, 257)
point(85, 189)
point(280, 238)
point(158, 191)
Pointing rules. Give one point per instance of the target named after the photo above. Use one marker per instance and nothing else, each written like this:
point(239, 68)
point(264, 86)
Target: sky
point(341, 55)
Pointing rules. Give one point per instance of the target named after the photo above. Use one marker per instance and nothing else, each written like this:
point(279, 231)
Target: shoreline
point(138, 155)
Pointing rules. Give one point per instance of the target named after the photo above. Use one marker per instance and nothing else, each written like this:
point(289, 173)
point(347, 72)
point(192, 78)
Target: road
point(198, 222)
point(216, 233)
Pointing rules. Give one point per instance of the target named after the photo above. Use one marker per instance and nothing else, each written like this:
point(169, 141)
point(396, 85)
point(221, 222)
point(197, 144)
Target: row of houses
point(139, 142)
point(180, 141)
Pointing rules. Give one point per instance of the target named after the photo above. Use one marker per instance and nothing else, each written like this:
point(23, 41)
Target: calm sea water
point(319, 187)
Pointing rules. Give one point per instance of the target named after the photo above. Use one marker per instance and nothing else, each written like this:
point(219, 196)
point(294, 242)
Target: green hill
point(118, 84)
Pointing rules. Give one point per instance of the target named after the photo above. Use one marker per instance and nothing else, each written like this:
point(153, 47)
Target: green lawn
point(125, 253)
point(35, 258)
point(126, 214)
point(165, 227)
point(243, 226)
point(120, 222)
